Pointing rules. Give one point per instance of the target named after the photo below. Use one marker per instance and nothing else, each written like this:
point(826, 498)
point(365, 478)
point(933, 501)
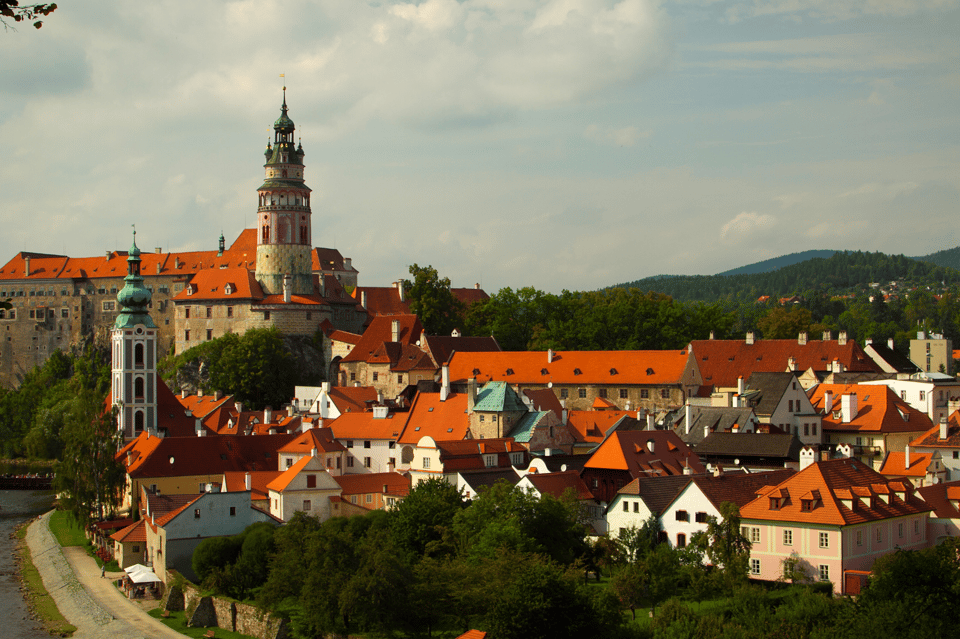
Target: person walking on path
point(103, 571)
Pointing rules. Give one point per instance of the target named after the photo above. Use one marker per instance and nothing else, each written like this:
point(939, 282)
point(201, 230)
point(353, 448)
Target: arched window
point(138, 422)
point(138, 355)
point(266, 233)
point(138, 388)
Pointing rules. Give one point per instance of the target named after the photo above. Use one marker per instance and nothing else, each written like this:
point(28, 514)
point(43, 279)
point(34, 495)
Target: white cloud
point(627, 136)
point(746, 224)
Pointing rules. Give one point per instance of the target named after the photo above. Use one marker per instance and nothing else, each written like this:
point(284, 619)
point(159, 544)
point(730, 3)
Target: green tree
point(420, 521)
point(432, 301)
point(725, 545)
point(255, 368)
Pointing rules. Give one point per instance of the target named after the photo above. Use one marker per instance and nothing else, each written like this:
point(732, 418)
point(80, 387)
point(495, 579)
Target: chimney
point(198, 428)
point(827, 336)
point(158, 250)
point(199, 392)
point(827, 402)
point(247, 482)
point(363, 299)
point(158, 268)
point(750, 337)
point(322, 282)
point(313, 451)
point(706, 430)
point(471, 394)
point(741, 387)
point(791, 364)
point(26, 267)
point(217, 395)
point(867, 342)
point(807, 456)
point(290, 410)
point(842, 338)
point(238, 406)
point(395, 331)
point(267, 414)
point(549, 356)
point(176, 262)
point(686, 468)
point(403, 293)
point(286, 288)
point(944, 427)
point(184, 393)
point(347, 263)
point(848, 407)
point(688, 416)
point(444, 383)
point(379, 396)
point(563, 415)
point(802, 339)
point(108, 254)
point(650, 423)
point(476, 286)
point(718, 471)
point(651, 445)
point(906, 457)
point(712, 335)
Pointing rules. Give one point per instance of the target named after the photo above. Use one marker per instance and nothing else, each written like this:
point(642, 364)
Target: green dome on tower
point(134, 297)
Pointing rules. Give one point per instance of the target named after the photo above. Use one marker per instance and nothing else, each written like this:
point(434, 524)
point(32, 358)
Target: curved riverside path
point(89, 602)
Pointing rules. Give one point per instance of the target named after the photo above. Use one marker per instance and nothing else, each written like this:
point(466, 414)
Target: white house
point(307, 487)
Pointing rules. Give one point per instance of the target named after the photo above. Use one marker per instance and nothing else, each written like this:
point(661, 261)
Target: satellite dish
point(736, 461)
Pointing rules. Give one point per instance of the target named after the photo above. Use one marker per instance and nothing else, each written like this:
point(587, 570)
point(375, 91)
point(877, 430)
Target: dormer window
point(544, 371)
point(649, 371)
point(509, 371)
point(228, 289)
point(577, 371)
point(774, 503)
point(613, 371)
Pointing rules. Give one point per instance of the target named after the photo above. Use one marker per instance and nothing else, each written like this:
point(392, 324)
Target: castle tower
point(283, 216)
point(134, 354)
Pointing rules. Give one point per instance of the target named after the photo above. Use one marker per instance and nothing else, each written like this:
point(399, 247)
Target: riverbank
point(87, 601)
point(40, 604)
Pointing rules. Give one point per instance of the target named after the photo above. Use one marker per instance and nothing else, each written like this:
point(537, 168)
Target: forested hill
point(949, 258)
point(775, 263)
point(842, 273)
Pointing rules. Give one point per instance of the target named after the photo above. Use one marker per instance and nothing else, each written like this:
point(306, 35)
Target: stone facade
point(277, 259)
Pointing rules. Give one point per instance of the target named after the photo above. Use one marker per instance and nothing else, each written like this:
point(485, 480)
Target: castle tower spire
point(283, 214)
point(133, 343)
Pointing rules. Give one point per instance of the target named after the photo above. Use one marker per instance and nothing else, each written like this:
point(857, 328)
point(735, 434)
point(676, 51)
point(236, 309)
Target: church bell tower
point(134, 354)
point(283, 215)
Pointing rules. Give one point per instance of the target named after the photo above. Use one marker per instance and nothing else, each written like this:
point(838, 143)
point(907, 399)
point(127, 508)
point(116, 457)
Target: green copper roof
point(523, 431)
point(133, 297)
point(497, 397)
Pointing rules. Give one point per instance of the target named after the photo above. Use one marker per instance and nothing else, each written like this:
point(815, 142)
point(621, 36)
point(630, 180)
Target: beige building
point(933, 353)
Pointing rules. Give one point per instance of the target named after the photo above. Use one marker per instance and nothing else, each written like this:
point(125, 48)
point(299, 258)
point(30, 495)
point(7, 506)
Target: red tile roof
point(179, 456)
point(352, 398)
point(366, 426)
point(895, 464)
point(236, 482)
point(380, 331)
point(943, 498)
point(429, 416)
point(556, 484)
point(321, 439)
point(879, 410)
point(213, 284)
point(721, 362)
point(630, 451)
point(280, 483)
point(361, 484)
point(571, 367)
point(136, 532)
point(203, 405)
point(825, 485)
point(591, 426)
point(931, 438)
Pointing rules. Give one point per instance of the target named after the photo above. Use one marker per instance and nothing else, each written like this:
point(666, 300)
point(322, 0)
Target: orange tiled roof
point(895, 464)
point(444, 421)
point(360, 484)
point(825, 486)
point(721, 362)
point(203, 405)
point(556, 484)
point(213, 284)
point(380, 331)
point(570, 367)
point(280, 483)
point(630, 451)
point(879, 410)
point(236, 482)
point(321, 439)
point(134, 532)
point(931, 438)
point(591, 426)
point(179, 456)
point(352, 398)
point(356, 425)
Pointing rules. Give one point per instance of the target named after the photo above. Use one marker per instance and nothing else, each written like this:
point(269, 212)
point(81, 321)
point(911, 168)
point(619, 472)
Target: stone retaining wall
point(205, 612)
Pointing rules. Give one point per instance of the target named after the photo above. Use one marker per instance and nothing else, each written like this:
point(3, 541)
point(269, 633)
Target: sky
point(560, 144)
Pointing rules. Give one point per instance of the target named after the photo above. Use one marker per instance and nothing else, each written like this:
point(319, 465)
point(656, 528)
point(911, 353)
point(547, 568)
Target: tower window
point(138, 355)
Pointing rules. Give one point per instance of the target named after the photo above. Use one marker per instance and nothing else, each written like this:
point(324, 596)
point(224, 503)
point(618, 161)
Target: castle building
point(134, 354)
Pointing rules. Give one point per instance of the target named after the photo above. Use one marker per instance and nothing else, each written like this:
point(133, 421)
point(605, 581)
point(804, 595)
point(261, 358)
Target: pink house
point(834, 519)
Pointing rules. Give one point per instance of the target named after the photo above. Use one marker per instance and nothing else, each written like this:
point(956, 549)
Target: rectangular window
point(311, 481)
point(603, 393)
point(186, 312)
point(752, 533)
point(806, 430)
point(209, 334)
point(350, 462)
point(229, 311)
point(789, 405)
point(266, 315)
point(900, 530)
point(788, 537)
point(623, 393)
point(209, 312)
point(196, 513)
point(399, 379)
point(916, 526)
point(306, 505)
point(564, 393)
point(701, 517)
point(392, 461)
point(824, 572)
point(923, 395)
point(754, 566)
point(366, 462)
point(582, 393)
point(644, 393)
point(636, 506)
point(369, 499)
point(682, 515)
point(626, 506)
point(366, 443)
point(879, 535)
point(64, 313)
point(186, 335)
point(233, 511)
point(376, 376)
point(289, 462)
point(426, 462)
point(824, 540)
point(665, 393)
point(859, 537)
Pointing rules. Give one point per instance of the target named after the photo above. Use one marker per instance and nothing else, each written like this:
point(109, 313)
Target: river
point(17, 506)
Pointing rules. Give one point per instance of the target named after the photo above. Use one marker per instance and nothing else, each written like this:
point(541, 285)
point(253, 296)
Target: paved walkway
point(89, 602)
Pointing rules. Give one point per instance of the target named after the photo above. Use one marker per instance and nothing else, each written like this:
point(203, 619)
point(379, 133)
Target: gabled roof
point(824, 486)
point(280, 483)
point(889, 359)
point(328, 259)
point(719, 419)
point(213, 284)
point(498, 397)
point(366, 426)
point(380, 331)
point(879, 410)
point(895, 464)
point(556, 484)
point(442, 421)
point(739, 488)
point(721, 362)
point(943, 498)
point(656, 492)
point(485, 477)
point(571, 367)
point(544, 399)
point(136, 532)
point(751, 445)
point(931, 438)
point(319, 439)
point(158, 505)
point(524, 429)
point(202, 405)
point(468, 454)
point(235, 482)
point(171, 416)
point(180, 456)
point(385, 300)
point(352, 398)
point(591, 426)
point(631, 451)
point(768, 389)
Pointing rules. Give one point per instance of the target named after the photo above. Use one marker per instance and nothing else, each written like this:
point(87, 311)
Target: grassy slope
point(38, 599)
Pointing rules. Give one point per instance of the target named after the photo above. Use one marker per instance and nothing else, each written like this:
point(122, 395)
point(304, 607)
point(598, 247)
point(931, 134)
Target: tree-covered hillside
point(775, 263)
point(841, 273)
point(949, 258)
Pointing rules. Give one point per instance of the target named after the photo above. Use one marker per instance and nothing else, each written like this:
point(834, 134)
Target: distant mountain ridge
point(949, 258)
point(775, 263)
